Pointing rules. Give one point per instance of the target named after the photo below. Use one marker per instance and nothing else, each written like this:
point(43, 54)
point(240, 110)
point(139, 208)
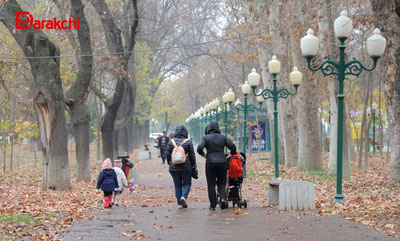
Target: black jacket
point(163, 139)
point(215, 143)
point(181, 134)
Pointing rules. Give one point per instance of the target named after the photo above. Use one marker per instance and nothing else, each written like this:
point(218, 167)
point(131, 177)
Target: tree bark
point(48, 98)
point(114, 43)
point(310, 156)
point(391, 32)
point(76, 96)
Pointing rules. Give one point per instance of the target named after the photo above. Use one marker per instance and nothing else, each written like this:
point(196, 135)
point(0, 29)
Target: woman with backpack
point(216, 164)
point(182, 161)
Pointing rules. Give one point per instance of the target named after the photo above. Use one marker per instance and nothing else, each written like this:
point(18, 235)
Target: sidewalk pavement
point(152, 214)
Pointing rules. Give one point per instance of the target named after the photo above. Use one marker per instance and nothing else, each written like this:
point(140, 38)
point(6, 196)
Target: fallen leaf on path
point(239, 212)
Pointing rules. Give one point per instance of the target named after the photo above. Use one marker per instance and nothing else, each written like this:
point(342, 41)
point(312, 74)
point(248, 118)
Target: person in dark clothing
point(181, 173)
point(107, 181)
point(162, 145)
point(216, 164)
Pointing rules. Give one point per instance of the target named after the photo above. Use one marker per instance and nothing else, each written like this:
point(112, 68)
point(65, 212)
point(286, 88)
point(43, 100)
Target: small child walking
point(122, 182)
point(108, 182)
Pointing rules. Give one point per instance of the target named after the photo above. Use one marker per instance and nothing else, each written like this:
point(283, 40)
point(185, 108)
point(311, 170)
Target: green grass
point(256, 173)
point(320, 174)
point(6, 217)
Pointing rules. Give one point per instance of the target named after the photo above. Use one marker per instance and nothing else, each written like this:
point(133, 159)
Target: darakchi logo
point(25, 20)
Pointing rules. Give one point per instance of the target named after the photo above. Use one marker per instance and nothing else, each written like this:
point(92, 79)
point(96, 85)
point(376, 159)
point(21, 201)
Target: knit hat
point(118, 163)
point(107, 163)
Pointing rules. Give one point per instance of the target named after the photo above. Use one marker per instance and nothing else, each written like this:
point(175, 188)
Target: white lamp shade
point(259, 98)
point(212, 105)
point(374, 106)
point(238, 102)
point(296, 77)
point(207, 107)
point(246, 88)
point(215, 104)
point(376, 44)
point(219, 109)
point(253, 78)
point(274, 65)
point(309, 44)
point(202, 111)
point(231, 96)
point(368, 111)
point(343, 25)
point(224, 98)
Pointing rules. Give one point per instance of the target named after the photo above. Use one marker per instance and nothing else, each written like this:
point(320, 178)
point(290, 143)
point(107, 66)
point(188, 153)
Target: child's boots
point(110, 199)
point(106, 204)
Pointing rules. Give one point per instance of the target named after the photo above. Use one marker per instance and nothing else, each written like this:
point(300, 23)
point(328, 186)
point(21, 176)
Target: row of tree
point(256, 30)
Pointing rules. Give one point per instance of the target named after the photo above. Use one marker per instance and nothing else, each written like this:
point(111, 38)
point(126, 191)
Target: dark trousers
point(107, 193)
point(216, 175)
point(163, 154)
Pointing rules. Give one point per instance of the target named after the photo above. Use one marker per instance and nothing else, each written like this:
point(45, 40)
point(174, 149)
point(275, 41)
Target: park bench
point(291, 194)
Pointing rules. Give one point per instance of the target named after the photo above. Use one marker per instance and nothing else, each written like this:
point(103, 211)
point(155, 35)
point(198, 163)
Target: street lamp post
point(228, 98)
point(246, 88)
point(202, 112)
point(275, 94)
point(309, 46)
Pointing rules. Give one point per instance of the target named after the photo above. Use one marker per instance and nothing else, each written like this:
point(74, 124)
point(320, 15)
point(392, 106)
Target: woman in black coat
point(182, 173)
point(216, 164)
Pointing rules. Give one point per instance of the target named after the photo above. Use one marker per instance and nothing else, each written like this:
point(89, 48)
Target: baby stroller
point(235, 180)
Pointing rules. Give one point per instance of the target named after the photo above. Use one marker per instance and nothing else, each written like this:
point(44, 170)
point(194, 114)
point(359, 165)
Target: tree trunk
point(392, 89)
point(76, 96)
point(364, 122)
point(48, 98)
point(107, 135)
point(81, 125)
point(120, 68)
point(288, 135)
point(310, 156)
point(98, 134)
point(11, 151)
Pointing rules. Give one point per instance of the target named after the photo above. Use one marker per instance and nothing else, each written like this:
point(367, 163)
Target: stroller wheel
point(245, 203)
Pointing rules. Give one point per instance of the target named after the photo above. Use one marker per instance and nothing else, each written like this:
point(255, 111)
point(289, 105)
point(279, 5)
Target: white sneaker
point(183, 201)
point(179, 206)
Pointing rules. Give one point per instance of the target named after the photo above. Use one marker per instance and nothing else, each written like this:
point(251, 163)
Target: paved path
point(152, 214)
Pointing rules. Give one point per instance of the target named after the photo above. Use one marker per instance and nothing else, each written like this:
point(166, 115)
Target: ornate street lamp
point(207, 108)
point(246, 88)
point(216, 106)
point(197, 117)
point(227, 98)
point(202, 111)
point(275, 94)
point(309, 46)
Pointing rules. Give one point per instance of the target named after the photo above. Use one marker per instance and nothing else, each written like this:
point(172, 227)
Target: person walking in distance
point(162, 145)
point(216, 164)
